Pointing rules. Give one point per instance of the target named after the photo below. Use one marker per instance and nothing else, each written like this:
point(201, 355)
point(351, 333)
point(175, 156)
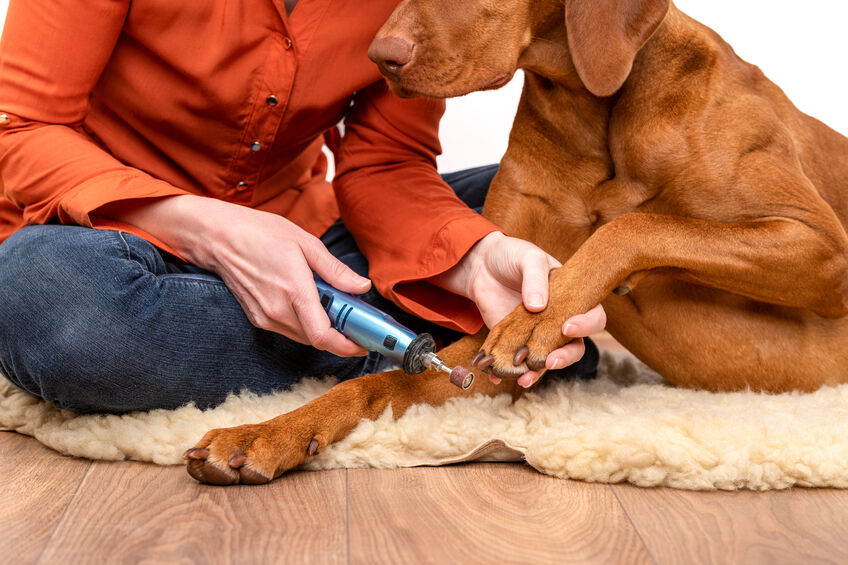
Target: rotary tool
point(375, 330)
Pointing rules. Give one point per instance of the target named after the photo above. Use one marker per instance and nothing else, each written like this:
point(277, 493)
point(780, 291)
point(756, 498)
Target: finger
point(333, 271)
point(583, 325)
point(529, 378)
point(496, 310)
point(324, 337)
point(494, 379)
point(566, 355)
point(535, 267)
point(329, 340)
point(315, 323)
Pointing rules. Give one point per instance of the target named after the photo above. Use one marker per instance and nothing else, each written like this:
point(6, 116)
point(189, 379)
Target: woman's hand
point(265, 260)
point(500, 272)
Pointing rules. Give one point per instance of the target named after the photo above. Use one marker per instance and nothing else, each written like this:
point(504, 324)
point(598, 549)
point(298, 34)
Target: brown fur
point(646, 156)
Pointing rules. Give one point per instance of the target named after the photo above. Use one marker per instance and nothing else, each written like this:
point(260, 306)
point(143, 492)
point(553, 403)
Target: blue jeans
point(103, 321)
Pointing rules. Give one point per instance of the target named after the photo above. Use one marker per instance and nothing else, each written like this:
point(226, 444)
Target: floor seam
point(633, 525)
point(347, 515)
point(62, 517)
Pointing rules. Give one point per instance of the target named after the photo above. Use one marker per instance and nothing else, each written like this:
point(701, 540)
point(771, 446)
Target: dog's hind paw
point(251, 454)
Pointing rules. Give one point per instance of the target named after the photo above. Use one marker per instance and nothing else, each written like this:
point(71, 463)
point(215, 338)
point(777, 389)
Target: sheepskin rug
point(627, 425)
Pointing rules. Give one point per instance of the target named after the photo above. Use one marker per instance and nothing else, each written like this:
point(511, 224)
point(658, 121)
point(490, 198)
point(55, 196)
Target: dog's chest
point(557, 211)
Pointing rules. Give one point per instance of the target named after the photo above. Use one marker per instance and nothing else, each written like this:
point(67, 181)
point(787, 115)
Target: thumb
point(535, 270)
point(333, 271)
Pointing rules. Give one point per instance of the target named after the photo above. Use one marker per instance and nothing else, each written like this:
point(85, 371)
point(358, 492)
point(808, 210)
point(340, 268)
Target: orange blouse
point(110, 100)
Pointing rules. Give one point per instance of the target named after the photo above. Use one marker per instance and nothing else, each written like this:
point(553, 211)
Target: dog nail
point(216, 476)
point(313, 447)
point(476, 359)
point(237, 461)
point(520, 356)
point(197, 454)
point(484, 362)
point(195, 469)
point(248, 476)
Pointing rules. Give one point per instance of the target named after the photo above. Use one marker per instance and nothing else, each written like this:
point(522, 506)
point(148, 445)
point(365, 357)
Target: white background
point(801, 46)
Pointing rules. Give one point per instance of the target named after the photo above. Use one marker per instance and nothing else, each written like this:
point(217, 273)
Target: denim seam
point(371, 363)
point(126, 246)
point(140, 269)
point(189, 280)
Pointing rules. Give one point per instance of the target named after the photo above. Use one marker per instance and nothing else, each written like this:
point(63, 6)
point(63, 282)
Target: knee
point(64, 361)
point(52, 283)
point(61, 319)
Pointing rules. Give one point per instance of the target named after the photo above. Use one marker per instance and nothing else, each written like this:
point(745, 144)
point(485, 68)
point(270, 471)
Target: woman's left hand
point(498, 273)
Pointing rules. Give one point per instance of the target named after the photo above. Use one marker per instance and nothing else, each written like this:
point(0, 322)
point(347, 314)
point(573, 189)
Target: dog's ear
point(604, 37)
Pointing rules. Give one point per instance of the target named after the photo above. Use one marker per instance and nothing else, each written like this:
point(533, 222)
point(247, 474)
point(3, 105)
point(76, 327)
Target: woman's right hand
point(265, 260)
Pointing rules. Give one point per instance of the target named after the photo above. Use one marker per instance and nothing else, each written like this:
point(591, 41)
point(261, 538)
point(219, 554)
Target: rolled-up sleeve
point(51, 56)
point(404, 217)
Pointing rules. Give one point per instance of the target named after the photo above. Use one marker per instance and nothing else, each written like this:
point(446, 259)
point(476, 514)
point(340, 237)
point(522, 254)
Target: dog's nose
point(390, 53)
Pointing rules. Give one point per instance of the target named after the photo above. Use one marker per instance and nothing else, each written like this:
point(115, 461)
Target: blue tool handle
point(363, 324)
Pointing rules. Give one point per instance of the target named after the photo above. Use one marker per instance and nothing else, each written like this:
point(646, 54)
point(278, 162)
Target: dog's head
point(444, 48)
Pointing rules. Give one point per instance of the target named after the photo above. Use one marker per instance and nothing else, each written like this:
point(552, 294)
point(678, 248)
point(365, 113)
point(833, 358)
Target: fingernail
point(569, 329)
point(536, 301)
point(558, 364)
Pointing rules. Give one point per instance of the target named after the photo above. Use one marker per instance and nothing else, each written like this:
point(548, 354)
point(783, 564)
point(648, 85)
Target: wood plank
point(792, 526)
point(485, 513)
point(134, 512)
point(38, 483)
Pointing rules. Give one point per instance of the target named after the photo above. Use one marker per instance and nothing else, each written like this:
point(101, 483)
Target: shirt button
point(288, 43)
point(272, 100)
point(241, 186)
point(256, 146)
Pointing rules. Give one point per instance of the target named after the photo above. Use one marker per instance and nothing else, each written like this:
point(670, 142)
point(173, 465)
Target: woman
point(190, 136)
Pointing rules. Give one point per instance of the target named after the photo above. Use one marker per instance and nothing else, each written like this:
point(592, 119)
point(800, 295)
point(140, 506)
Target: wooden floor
point(58, 509)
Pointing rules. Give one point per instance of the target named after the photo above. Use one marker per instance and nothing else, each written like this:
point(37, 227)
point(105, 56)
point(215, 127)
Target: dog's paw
point(519, 343)
point(250, 454)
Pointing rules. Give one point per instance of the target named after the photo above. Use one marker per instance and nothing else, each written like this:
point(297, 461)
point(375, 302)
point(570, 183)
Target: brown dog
point(677, 184)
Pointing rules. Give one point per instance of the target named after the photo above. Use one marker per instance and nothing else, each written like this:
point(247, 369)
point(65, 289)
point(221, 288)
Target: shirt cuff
point(428, 301)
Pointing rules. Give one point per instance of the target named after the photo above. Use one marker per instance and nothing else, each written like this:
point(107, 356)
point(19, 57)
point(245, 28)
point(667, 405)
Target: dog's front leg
point(258, 453)
point(774, 260)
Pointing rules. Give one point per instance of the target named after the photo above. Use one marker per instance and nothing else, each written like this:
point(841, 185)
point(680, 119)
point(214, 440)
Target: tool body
point(375, 330)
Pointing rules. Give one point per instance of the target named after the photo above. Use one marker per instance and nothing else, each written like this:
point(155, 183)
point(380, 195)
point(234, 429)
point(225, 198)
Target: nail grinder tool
point(377, 331)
